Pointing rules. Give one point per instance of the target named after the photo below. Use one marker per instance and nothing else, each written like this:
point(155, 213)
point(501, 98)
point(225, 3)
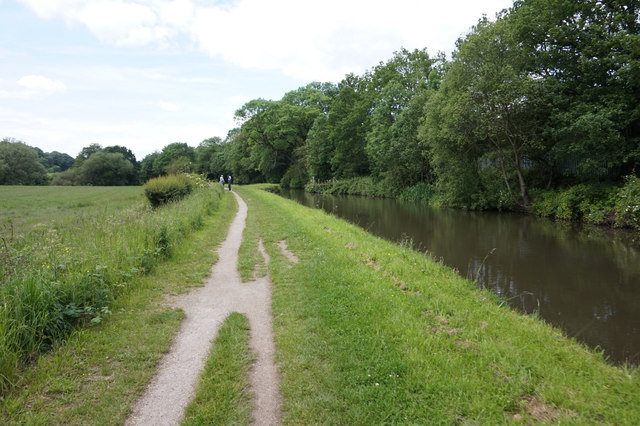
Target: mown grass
point(368, 332)
point(69, 267)
point(96, 375)
point(223, 396)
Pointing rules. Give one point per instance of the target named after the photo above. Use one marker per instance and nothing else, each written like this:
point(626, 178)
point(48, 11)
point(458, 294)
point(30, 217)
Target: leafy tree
point(239, 160)
point(173, 152)
point(106, 169)
point(448, 136)
point(54, 161)
point(57, 162)
point(146, 167)
point(392, 145)
point(273, 130)
point(126, 152)
point(128, 155)
point(86, 152)
point(587, 57)
point(348, 123)
point(20, 165)
point(205, 154)
point(319, 150)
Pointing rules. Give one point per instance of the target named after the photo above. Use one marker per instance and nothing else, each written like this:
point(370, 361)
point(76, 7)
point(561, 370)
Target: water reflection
point(583, 280)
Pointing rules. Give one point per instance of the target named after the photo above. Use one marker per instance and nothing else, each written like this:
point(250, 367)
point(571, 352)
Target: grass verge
point(99, 371)
point(368, 332)
point(223, 396)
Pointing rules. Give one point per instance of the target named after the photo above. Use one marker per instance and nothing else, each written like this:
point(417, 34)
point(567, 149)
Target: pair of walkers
point(228, 181)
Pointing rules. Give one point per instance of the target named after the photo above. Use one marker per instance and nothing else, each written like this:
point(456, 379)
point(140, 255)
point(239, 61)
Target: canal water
point(584, 280)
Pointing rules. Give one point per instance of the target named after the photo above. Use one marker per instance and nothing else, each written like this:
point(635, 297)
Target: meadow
point(67, 253)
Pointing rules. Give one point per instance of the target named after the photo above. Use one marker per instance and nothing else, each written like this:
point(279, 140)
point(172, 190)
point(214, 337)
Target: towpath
point(173, 386)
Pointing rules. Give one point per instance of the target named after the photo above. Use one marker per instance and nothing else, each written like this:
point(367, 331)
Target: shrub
point(164, 189)
point(420, 192)
point(627, 205)
point(591, 203)
point(365, 186)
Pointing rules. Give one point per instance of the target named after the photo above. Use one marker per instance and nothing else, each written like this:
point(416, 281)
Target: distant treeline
point(95, 165)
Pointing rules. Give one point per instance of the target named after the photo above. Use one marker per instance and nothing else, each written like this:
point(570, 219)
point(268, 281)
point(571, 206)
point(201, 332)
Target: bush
point(421, 192)
point(627, 205)
point(364, 186)
point(590, 203)
point(164, 189)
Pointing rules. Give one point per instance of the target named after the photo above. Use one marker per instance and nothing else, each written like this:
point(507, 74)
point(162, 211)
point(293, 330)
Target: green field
point(28, 206)
point(68, 252)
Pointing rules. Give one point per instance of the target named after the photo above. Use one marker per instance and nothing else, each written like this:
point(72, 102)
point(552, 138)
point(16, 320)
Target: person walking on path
point(222, 180)
point(229, 182)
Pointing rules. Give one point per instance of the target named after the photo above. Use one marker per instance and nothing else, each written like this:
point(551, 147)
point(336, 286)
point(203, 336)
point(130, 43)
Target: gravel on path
point(206, 308)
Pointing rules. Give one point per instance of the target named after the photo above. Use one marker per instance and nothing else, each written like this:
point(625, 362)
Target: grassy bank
point(223, 396)
point(368, 332)
point(66, 256)
point(95, 375)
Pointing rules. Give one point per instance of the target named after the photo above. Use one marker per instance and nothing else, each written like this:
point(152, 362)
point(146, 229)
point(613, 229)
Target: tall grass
point(67, 272)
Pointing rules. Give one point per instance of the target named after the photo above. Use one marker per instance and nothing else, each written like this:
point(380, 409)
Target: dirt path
point(172, 388)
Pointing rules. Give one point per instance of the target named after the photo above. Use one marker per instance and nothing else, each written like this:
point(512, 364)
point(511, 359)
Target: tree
point(146, 167)
point(205, 153)
point(347, 126)
point(20, 165)
point(129, 156)
point(56, 161)
point(173, 152)
point(392, 144)
point(587, 57)
point(106, 169)
point(274, 130)
point(494, 104)
point(86, 152)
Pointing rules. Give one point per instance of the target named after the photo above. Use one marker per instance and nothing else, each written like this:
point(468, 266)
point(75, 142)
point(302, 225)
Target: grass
point(68, 268)
point(368, 332)
point(28, 206)
point(99, 371)
point(223, 395)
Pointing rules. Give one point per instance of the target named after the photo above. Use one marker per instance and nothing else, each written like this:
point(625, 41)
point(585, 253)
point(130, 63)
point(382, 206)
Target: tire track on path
point(206, 308)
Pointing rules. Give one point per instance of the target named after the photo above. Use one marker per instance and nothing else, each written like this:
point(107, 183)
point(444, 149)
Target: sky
point(147, 73)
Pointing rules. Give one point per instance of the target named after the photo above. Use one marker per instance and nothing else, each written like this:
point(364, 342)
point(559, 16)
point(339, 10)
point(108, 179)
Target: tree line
point(545, 96)
point(21, 164)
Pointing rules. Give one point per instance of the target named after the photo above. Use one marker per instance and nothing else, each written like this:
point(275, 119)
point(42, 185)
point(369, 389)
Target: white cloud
point(303, 39)
point(168, 106)
point(31, 87)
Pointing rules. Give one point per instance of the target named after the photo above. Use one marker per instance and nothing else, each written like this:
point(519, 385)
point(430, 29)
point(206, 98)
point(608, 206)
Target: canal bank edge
point(370, 329)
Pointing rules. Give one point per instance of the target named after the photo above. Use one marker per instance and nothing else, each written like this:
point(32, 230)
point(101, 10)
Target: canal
point(584, 280)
